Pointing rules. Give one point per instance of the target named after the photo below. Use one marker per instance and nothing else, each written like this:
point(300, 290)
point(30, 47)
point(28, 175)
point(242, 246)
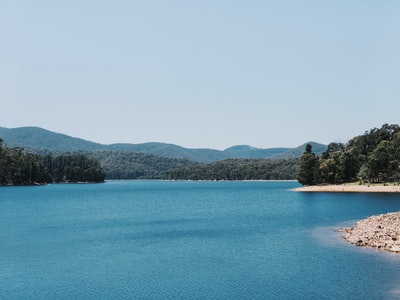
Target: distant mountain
point(298, 151)
point(203, 155)
point(41, 139)
point(169, 150)
point(244, 151)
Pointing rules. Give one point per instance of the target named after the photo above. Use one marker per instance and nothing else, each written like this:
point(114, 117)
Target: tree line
point(133, 165)
point(20, 168)
point(239, 169)
point(373, 157)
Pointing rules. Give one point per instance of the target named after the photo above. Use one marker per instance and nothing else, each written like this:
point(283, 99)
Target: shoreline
point(381, 232)
point(350, 188)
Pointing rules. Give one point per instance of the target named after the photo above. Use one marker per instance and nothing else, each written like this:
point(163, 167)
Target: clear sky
point(208, 74)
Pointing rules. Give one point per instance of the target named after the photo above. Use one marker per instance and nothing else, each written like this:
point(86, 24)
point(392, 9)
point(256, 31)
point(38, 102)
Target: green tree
point(328, 170)
point(380, 162)
point(309, 167)
point(364, 174)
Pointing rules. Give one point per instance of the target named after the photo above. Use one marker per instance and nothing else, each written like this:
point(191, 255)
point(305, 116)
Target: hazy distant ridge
point(39, 138)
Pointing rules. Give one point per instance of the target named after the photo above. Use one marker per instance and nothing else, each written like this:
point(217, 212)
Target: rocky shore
point(379, 232)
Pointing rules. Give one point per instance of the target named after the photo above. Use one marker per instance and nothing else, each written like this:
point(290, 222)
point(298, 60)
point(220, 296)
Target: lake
point(189, 240)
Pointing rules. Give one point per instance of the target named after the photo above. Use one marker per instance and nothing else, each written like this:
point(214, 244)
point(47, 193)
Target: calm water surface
point(189, 240)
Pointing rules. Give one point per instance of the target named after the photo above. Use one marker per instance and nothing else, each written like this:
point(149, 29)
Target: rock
point(380, 232)
point(395, 249)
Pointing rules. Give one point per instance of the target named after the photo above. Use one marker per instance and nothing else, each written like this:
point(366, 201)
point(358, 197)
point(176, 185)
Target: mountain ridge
point(37, 138)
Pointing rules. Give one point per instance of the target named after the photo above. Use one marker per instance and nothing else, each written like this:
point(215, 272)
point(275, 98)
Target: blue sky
point(201, 73)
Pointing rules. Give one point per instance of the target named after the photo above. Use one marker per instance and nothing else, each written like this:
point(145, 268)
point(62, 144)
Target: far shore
point(350, 188)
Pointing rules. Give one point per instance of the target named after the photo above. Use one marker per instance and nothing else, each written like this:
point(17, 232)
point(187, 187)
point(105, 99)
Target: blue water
point(189, 240)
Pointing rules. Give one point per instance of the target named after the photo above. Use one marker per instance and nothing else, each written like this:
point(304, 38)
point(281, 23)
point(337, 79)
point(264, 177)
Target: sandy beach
point(350, 188)
point(379, 232)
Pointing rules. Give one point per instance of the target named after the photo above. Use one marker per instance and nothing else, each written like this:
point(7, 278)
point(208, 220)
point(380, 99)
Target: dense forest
point(132, 165)
point(129, 165)
point(373, 157)
point(239, 169)
point(163, 161)
point(20, 168)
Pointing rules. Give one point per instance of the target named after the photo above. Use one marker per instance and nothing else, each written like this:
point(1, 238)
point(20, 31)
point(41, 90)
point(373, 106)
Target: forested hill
point(373, 157)
point(41, 139)
point(20, 168)
point(239, 169)
point(133, 165)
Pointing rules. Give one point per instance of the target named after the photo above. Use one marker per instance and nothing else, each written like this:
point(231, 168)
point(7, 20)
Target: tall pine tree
point(309, 166)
